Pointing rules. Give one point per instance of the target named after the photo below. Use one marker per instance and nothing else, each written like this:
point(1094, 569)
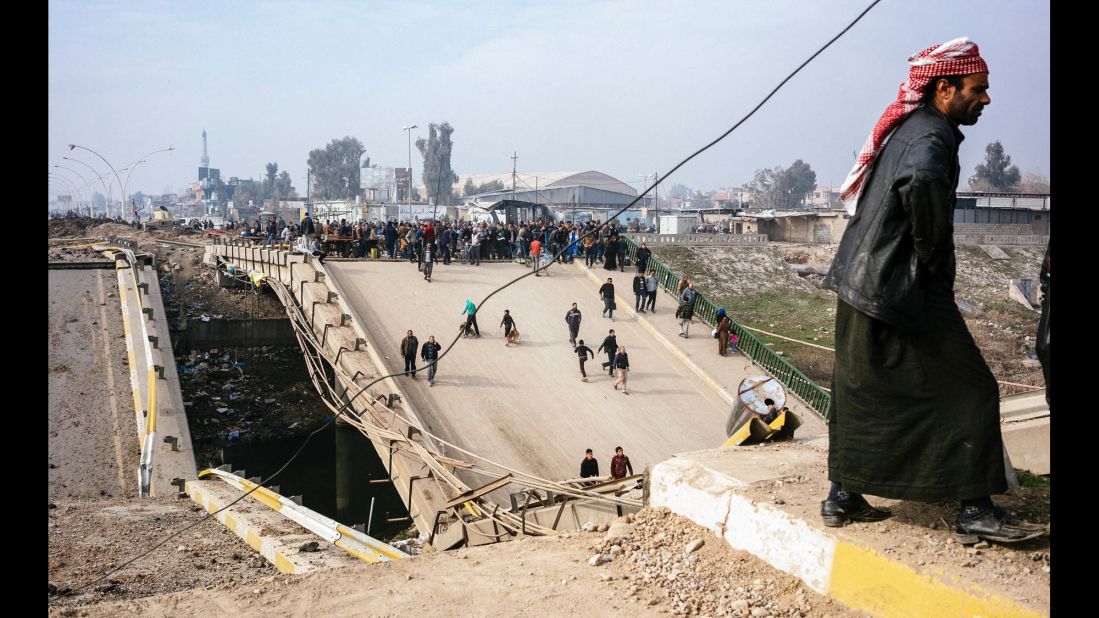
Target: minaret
point(205, 159)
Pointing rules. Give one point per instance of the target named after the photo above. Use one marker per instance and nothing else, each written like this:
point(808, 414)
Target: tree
point(796, 182)
point(221, 192)
point(996, 173)
point(245, 192)
point(283, 186)
point(679, 190)
point(335, 168)
point(763, 187)
point(487, 187)
point(699, 200)
point(780, 187)
point(438, 177)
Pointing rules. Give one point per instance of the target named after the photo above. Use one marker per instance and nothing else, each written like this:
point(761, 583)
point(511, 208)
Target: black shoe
point(838, 513)
point(971, 528)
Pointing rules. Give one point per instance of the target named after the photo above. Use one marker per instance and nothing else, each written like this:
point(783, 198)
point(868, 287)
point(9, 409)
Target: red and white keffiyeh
point(957, 57)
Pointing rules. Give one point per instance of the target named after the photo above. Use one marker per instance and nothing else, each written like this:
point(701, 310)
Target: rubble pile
point(663, 558)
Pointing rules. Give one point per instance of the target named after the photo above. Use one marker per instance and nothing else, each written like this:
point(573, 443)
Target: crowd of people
point(533, 243)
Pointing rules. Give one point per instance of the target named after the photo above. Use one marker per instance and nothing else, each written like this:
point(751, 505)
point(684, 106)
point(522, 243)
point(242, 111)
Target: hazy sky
point(625, 88)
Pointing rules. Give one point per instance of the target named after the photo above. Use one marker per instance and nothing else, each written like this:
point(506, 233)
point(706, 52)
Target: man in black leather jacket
point(915, 412)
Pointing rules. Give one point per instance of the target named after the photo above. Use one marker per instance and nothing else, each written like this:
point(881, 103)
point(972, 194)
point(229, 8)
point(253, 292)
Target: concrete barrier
point(699, 240)
point(709, 488)
point(1001, 239)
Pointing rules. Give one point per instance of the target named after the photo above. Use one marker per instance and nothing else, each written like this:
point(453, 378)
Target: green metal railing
point(812, 394)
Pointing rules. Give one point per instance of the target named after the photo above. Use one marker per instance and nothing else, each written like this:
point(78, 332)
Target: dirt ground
point(650, 573)
point(87, 537)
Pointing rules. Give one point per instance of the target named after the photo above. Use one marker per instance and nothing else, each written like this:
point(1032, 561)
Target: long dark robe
point(610, 258)
point(914, 416)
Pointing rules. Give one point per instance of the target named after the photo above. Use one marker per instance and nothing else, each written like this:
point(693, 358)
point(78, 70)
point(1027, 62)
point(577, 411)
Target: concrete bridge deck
point(524, 406)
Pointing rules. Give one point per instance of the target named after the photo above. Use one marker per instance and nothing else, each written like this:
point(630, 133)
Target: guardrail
point(812, 394)
point(358, 544)
point(145, 463)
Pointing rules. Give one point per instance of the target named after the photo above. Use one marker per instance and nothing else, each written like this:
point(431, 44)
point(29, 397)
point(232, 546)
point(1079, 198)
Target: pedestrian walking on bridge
point(430, 355)
point(606, 293)
point(572, 318)
point(622, 365)
point(610, 345)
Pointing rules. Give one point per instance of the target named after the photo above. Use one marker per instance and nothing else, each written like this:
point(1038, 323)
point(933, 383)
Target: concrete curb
point(858, 577)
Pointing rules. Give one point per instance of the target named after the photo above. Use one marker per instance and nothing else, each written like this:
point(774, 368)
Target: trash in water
point(223, 410)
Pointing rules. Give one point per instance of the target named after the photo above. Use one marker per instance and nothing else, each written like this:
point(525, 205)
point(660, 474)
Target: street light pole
point(62, 182)
point(121, 208)
point(408, 129)
point(134, 165)
point(106, 187)
point(82, 179)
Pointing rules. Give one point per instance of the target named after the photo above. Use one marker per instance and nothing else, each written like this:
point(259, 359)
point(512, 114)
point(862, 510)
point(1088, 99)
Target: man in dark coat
point(430, 355)
point(639, 292)
point(915, 409)
point(409, 347)
point(307, 230)
point(610, 345)
point(589, 466)
point(643, 255)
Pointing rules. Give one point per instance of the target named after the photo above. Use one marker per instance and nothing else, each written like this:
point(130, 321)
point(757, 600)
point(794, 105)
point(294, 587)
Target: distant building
point(379, 183)
point(575, 196)
point(823, 197)
point(1004, 209)
point(823, 227)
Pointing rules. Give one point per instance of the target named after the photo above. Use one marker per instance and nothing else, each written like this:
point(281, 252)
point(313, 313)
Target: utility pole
point(514, 157)
point(656, 194)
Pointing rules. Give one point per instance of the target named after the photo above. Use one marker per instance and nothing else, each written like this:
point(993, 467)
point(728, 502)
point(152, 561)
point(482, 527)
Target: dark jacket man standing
point(572, 318)
point(915, 412)
point(409, 346)
point(308, 230)
point(589, 465)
